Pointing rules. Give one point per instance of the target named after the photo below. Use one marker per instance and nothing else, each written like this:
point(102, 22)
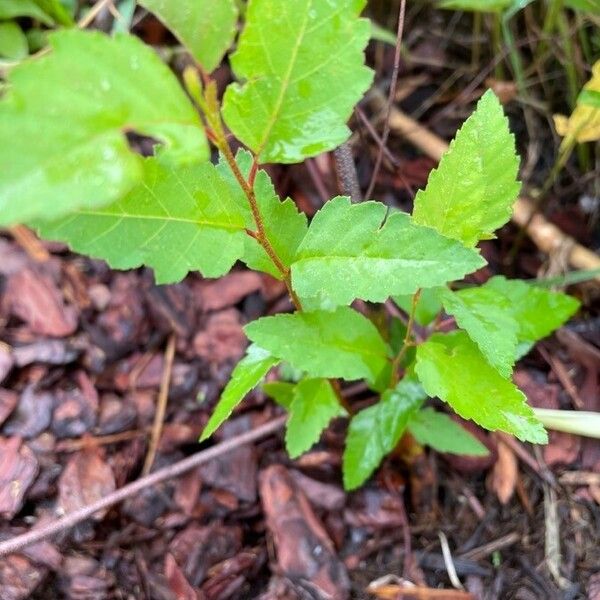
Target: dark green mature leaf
point(13, 42)
point(12, 9)
point(437, 430)
point(472, 191)
point(537, 311)
point(342, 343)
point(205, 27)
point(285, 226)
point(486, 316)
point(64, 118)
point(302, 64)
point(452, 367)
point(246, 376)
point(349, 252)
point(179, 219)
point(313, 406)
point(375, 431)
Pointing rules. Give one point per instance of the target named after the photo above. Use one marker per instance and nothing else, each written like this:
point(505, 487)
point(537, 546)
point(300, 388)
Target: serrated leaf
point(64, 118)
point(342, 343)
point(584, 123)
point(313, 406)
point(349, 252)
point(537, 311)
point(472, 191)
point(375, 431)
point(487, 317)
point(179, 219)
point(437, 430)
point(13, 42)
point(451, 367)
point(302, 63)
point(285, 226)
point(205, 27)
point(12, 9)
point(281, 391)
point(428, 306)
point(246, 376)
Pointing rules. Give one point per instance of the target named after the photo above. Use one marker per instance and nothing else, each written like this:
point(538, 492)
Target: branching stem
point(407, 343)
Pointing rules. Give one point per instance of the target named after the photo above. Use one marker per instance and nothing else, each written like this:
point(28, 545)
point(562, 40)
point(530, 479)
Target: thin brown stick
point(390, 100)
point(161, 405)
point(30, 243)
point(70, 520)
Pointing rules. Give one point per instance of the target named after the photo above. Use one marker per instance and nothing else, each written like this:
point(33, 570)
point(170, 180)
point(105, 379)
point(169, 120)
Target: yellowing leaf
point(584, 123)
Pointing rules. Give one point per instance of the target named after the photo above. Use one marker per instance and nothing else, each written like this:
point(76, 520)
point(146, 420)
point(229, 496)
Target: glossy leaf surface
point(301, 64)
point(349, 252)
point(375, 431)
point(66, 115)
point(342, 343)
point(451, 367)
point(472, 191)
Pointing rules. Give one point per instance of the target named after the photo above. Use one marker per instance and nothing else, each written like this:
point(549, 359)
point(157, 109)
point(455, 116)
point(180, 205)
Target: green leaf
point(375, 431)
point(57, 11)
point(486, 316)
point(472, 191)
point(205, 27)
point(538, 312)
point(13, 42)
point(313, 406)
point(437, 430)
point(179, 219)
point(12, 9)
point(281, 391)
point(284, 225)
point(342, 343)
point(66, 115)
point(302, 64)
point(590, 6)
point(476, 5)
point(451, 367)
point(428, 306)
point(349, 252)
point(246, 376)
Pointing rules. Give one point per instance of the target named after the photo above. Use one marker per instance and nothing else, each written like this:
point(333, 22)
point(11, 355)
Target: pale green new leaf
point(285, 226)
point(537, 311)
point(342, 343)
point(350, 252)
point(437, 430)
point(13, 43)
point(205, 27)
point(375, 431)
point(246, 376)
point(12, 9)
point(179, 219)
point(64, 118)
point(313, 406)
point(451, 367)
point(301, 64)
point(486, 316)
point(472, 191)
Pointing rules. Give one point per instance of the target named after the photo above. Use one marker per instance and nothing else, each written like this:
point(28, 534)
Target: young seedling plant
point(68, 171)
